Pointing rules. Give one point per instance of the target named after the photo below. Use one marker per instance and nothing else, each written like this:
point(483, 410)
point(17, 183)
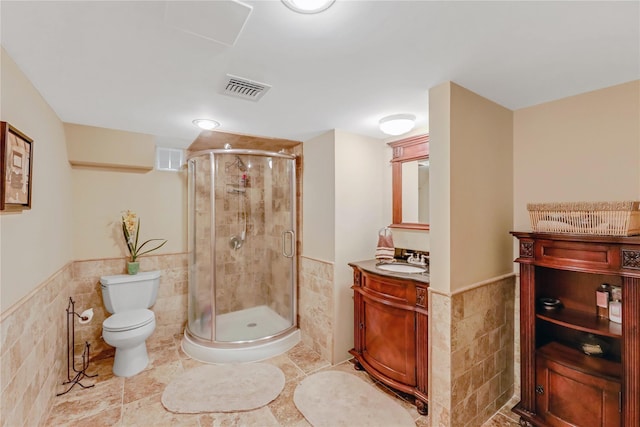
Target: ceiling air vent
point(239, 87)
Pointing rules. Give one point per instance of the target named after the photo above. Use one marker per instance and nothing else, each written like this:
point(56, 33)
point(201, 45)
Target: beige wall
point(439, 188)
point(582, 148)
point(481, 188)
point(94, 146)
point(318, 182)
point(112, 173)
point(471, 201)
point(472, 191)
point(343, 211)
point(358, 217)
point(38, 242)
point(99, 197)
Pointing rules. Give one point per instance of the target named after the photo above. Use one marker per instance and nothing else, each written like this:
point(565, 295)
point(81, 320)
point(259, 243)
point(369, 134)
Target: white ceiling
point(125, 65)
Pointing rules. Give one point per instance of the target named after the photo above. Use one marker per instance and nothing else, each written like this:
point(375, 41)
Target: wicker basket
point(602, 218)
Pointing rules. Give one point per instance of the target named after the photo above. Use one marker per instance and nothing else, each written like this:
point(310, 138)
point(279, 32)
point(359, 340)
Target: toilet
point(128, 298)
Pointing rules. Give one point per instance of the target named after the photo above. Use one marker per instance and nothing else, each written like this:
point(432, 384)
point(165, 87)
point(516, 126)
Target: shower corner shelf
point(236, 188)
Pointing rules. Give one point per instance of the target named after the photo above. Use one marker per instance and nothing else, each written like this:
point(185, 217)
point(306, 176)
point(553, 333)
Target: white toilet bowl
point(127, 331)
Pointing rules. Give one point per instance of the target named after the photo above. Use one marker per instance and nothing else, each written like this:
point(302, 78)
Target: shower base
point(240, 337)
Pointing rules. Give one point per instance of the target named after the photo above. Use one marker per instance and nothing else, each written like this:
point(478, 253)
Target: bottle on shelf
point(615, 311)
point(603, 296)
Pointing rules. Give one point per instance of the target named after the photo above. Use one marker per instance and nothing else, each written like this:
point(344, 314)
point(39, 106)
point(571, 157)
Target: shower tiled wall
point(472, 347)
point(242, 274)
point(33, 359)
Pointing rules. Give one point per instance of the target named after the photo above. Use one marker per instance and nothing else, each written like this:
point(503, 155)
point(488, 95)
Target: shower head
point(241, 164)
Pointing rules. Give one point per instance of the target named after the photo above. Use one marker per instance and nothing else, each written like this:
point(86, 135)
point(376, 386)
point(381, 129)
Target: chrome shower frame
point(292, 253)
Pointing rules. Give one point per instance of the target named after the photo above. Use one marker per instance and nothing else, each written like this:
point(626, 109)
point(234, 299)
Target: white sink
point(402, 268)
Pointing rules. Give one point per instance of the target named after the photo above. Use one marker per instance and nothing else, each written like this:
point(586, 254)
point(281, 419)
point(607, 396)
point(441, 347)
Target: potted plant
point(131, 231)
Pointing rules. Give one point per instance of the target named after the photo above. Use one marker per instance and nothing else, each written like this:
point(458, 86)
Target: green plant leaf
point(134, 249)
point(153, 249)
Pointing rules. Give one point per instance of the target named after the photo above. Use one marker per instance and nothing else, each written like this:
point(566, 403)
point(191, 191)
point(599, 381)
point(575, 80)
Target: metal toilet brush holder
point(81, 373)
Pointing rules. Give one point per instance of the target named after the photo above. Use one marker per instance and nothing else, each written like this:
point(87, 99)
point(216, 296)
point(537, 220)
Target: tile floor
point(135, 401)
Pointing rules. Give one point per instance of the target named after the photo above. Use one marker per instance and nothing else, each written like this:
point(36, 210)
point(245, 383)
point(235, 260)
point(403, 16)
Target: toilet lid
point(128, 320)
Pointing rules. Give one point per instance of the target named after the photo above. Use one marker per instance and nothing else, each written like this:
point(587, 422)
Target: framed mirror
point(410, 181)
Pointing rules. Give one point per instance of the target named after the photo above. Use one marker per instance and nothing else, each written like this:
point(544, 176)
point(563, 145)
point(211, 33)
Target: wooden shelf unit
point(581, 321)
point(561, 386)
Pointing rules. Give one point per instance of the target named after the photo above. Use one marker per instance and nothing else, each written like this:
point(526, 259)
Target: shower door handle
point(292, 244)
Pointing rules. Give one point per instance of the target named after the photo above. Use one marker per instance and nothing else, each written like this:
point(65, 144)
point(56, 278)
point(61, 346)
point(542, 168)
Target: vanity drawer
point(399, 290)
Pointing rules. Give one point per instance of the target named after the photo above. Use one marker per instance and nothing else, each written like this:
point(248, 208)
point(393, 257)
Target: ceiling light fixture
point(206, 124)
point(397, 124)
point(308, 6)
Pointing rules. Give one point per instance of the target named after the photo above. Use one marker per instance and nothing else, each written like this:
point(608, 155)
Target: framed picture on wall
point(16, 167)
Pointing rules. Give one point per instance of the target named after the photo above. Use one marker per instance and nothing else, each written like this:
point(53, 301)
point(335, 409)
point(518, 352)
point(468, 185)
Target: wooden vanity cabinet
point(561, 385)
point(390, 331)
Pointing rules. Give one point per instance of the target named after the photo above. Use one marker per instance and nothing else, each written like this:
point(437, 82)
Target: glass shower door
point(254, 246)
point(242, 260)
point(201, 302)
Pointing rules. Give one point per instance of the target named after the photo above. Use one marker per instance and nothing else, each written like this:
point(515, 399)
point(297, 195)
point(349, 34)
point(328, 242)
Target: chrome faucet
point(417, 259)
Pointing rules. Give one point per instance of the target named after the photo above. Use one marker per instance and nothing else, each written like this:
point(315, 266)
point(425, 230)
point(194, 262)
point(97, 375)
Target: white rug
point(223, 388)
point(336, 399)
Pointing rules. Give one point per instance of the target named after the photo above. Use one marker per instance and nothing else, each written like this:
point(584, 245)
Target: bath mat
point(335, 399)
point(223, 388)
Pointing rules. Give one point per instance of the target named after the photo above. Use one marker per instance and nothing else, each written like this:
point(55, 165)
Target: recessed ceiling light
point(397, 124)
point(206, 124)
point(308, 6)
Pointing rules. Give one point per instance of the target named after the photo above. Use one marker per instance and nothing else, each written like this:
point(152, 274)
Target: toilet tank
point(124, 292)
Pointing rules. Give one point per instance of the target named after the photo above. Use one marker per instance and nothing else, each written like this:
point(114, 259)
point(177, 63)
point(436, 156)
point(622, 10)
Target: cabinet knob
point(539, 389)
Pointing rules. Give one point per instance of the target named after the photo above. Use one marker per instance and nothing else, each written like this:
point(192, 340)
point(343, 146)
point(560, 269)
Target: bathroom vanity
point(391, 328)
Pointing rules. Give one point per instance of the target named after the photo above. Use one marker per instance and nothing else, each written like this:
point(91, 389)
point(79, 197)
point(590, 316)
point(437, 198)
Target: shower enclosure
point(242, 255)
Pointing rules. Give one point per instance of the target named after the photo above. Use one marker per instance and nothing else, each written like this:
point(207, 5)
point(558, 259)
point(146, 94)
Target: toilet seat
point(128, 320)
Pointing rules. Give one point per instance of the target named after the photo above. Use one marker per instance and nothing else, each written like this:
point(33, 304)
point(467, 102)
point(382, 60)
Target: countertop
point(370, 266)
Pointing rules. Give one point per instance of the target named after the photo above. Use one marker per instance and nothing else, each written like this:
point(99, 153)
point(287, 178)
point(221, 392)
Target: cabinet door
point(566, 397)
point(389, 340)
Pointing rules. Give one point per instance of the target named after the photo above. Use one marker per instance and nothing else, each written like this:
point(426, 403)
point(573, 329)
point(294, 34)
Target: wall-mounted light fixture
point(308, 6)
point(206, 124)
point(397, 124)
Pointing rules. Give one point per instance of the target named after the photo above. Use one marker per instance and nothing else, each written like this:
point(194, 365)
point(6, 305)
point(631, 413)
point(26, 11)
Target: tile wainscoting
point(33, 359)
point(171, 304)
point(472, 336)
point(33, 345)
point(33, 364)
point(472, 348)
point(315, 305)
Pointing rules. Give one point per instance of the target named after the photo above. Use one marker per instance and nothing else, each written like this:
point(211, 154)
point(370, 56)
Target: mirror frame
point(405, 150)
